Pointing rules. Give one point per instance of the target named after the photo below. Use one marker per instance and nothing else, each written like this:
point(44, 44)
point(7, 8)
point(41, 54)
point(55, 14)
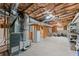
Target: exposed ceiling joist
point(73, 7)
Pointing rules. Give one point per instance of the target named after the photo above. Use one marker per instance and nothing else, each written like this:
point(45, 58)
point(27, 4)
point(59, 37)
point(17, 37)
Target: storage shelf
point(73, 40)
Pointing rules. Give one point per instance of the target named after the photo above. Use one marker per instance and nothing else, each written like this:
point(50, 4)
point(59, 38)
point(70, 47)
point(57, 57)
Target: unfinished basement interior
point(39, 29)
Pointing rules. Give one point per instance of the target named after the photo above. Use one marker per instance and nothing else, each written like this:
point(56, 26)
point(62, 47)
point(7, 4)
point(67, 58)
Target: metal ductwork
point(14, 8)
point(33, 21)
point(3, 12)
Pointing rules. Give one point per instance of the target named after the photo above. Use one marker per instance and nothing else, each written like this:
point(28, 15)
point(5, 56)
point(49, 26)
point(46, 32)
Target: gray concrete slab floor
point(51, 46)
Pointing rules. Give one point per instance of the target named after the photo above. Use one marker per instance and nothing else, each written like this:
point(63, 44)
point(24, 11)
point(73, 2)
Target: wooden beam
point(65, 15)
point(37, 12)
point(59, 7)
point(62, 6)
point(35, 7)
point(73, 7)
point(31, 8)
point(65, 19)
point(47, 7)
point(50, 6)
point(24, 6)
point(59, 14)
point(66, 12)
point(40, 6)
point(41, 14)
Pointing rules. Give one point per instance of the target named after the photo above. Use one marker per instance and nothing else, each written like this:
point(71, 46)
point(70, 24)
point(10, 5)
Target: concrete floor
point(51, 46)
